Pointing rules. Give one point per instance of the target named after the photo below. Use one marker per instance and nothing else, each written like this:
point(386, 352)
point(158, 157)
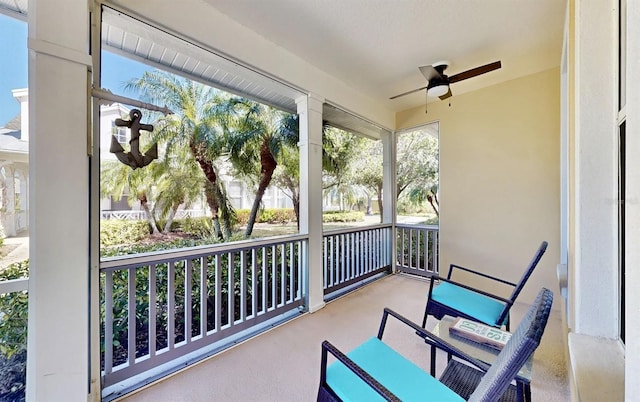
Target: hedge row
point(121, 232)
point(339, 216)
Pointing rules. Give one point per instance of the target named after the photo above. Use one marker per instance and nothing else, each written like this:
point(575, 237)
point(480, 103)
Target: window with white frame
point(120, 133)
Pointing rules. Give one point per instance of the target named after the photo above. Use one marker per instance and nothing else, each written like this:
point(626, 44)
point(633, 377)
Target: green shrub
point(340, 216)
point(115, 231)
point(2, 235)
point(276, 215)
point(268, 215)
point(13, 312)
point(201, 227)
point(242, 216)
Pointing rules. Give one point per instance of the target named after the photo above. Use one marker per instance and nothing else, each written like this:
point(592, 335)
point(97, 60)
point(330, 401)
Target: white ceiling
point(376, 46)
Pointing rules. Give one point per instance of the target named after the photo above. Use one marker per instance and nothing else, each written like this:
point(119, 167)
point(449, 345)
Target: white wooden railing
point(161, 306)
point(14, 285)
point(353, 255)
point(417, 249)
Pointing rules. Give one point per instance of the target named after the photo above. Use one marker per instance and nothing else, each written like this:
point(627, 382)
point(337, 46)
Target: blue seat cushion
point(476, 305)
point(400, 376)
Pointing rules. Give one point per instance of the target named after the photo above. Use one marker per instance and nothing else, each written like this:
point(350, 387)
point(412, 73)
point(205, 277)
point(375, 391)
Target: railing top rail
point(129, 260)
point(356, 229)
point(417, 226)
point(14, 285)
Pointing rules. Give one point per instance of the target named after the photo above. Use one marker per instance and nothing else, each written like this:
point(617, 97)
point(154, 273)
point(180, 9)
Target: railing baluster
point(171, 305)
point(108, 322)
point(325, 261)
point(188, 301)
point(435, 251)
point(254, 283)
point(410, 248)
point(376, 248)
point(131, 311)
point(203, 296)
point(332, 261)
point(283, 258)
point(292, 272)
point(274, 277)
point(231, 289)
point(343, 260)
point(350, 255)
point(217, 261)
point(153, 312)
point(425, 246)
point(301, 252)
point(369, 253)
point(265, 307)
point(243, 286)
point(419, 233)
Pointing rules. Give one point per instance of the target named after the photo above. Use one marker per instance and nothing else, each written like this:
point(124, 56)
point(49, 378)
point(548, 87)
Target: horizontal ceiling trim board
point(14, 8)
point(135, 37)
point(346, 120)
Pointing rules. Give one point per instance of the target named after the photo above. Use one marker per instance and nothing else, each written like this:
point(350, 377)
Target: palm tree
point(116, 179)
point(180, 184)
point(260, 134)
point(197, 125)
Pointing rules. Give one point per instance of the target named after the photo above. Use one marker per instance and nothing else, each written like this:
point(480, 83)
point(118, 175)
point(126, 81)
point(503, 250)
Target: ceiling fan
point(438, 82)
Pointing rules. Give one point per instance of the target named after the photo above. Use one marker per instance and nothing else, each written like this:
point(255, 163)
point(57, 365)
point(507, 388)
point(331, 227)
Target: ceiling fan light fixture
point(438, 89)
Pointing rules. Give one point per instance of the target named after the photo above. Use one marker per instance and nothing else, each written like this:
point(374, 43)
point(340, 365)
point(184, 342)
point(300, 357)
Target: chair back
point(525, 277)
point(517, 351)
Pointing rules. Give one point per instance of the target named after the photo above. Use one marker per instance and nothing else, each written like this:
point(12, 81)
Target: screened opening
point(418, 202)
point(221, 166)
point(14, 200)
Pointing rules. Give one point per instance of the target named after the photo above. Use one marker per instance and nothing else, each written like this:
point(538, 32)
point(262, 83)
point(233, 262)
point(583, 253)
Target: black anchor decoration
point(134, 158)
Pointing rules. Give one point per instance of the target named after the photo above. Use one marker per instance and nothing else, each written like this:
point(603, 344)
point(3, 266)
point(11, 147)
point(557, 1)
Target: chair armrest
point(351, 365)
point(452, 266)
point(482, 292)
point(429, 338)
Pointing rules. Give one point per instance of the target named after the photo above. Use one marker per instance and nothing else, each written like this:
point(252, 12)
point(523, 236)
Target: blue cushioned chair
point(375, 372)
point(459, 300)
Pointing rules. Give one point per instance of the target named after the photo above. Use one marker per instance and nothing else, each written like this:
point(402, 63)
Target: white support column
point(388, 176)
point(58, 333)
point(310, 112)
point(632, 226)
point(389, 188)
point(10, 202)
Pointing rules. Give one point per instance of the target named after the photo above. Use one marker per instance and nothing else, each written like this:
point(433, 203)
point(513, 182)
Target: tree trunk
point(369, 208)
point(380, 204)
point(212, 201)
point(210, 193)
point(269, 164)
point(296, 208)
point(170, 216)
point(144, 203)
point(433, 205)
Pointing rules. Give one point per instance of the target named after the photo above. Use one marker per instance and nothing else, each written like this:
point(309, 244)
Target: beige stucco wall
point(499, 177)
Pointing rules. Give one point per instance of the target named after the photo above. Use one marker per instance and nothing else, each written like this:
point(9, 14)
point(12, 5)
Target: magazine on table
point(481, 333)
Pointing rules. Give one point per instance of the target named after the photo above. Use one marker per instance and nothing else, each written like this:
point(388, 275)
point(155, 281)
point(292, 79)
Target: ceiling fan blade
point(447, 95)
point(475, 72)
point(429, 72)
point(408, 92)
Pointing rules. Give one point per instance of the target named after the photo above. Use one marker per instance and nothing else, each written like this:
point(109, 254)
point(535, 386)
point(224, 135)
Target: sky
point(116, 70)
point(13, 65)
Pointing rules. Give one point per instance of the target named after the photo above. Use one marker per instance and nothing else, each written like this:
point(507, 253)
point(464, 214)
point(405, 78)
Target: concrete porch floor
point(283, 364)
